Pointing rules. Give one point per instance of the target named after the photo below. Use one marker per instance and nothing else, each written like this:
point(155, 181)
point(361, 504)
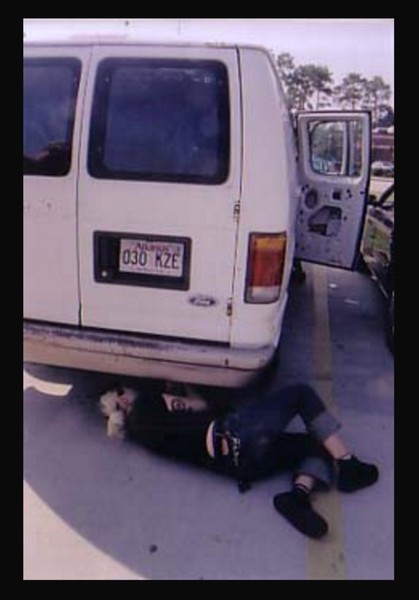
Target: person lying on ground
point(250, 443)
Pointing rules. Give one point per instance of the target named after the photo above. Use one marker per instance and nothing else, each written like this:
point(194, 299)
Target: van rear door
point(334, 169)
point(159, 185)
point(54, 79)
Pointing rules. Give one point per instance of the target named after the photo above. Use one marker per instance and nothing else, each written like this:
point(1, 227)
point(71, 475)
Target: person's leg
point(269, 417)
point(295, 506)
point(352, 474)
point(275, 411)
point(260, 423)
point(336, 447)
point(312, 466)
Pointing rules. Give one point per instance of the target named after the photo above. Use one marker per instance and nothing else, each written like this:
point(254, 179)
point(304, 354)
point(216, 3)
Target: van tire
point(298, 275)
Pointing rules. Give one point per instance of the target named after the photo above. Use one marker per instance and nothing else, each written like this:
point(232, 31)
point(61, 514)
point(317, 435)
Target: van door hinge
point(229, 310)
point(236, 212)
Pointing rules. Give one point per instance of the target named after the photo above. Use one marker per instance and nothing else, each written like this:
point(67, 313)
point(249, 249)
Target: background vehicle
point(377, 249)
point(382, 168)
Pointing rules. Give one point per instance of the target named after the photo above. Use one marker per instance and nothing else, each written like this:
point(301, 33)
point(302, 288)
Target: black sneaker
point(296, 507)
point(354, 475)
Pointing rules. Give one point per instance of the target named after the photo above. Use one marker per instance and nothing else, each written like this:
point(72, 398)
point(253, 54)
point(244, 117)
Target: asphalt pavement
point(102, 509)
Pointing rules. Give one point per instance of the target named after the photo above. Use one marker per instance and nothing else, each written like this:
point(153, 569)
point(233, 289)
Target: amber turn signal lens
point(265, 267)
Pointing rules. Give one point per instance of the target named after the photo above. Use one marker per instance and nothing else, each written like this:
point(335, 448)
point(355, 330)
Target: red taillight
point(265, 267)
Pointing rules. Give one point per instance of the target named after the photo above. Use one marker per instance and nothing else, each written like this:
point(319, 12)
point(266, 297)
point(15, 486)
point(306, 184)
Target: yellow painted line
point(326, 558)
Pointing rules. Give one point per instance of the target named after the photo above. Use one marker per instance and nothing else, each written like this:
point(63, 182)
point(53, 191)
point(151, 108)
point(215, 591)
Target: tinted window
point(49, 99)
point(160, 120)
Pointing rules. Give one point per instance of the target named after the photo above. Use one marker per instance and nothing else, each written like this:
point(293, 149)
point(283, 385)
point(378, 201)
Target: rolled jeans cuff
point(323, 426)
point(321, 470)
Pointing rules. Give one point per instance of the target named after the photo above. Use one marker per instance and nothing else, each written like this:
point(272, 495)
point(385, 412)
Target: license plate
point(149, 257)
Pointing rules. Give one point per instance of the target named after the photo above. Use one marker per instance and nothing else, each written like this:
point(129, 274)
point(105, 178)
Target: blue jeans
point(259, 444)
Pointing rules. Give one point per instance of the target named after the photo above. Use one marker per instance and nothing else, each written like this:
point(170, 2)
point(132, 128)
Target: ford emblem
point(203, 301)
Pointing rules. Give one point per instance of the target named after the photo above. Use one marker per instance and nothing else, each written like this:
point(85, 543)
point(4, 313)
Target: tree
point(377, 92)
point(306, 86)
point(322, 81)
point(286, 69)
point(301, 87)
point(351, 91)
point(303, 81)
point(286, 66)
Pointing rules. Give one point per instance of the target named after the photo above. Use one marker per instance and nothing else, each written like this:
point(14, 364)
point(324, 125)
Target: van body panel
point(163, 210)
point(268, 192)
point(51, 286)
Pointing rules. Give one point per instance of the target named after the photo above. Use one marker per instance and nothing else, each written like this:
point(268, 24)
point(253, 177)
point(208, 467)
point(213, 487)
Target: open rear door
point(334, 161)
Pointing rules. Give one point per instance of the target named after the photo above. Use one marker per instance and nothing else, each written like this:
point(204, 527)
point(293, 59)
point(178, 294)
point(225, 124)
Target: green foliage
point(312, 87)
point(351, 91)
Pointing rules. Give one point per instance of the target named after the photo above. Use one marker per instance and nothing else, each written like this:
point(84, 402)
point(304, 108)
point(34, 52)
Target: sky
point(364, 46)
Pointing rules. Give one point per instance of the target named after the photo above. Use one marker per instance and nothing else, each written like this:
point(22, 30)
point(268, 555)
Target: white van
point(164, 204)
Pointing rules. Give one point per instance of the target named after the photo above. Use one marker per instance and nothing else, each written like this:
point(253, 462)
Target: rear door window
point(160, 120)
point(49, 100)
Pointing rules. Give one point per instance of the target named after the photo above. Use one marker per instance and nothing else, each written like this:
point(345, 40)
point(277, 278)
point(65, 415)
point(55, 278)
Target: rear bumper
point(139, 356)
